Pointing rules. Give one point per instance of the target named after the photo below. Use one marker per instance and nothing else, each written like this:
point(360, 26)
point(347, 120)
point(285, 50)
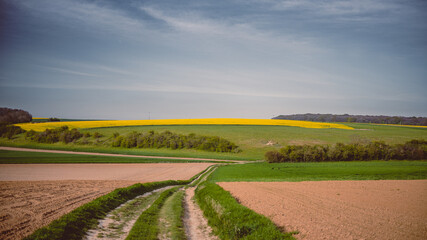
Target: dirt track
point(389, 209)
point(26, 203)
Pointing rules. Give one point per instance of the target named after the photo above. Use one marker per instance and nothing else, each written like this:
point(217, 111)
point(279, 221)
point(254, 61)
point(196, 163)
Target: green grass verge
point(373, 170)
point(75, 224)
point(146, 226)
point(18, 157)
point(171, 218)
point(230, 220)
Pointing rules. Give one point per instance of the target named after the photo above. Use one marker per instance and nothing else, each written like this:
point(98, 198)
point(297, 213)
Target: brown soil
point(147, 172)
point(27, 203)
point(196, 224)
point(386, 209)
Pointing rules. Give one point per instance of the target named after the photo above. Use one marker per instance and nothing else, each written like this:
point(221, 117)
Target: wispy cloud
point(349, 10)
point(196, 23)
point(89, 15)
point(68, 71)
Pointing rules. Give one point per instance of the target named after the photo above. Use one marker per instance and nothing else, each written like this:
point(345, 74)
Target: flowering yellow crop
point(206, 121)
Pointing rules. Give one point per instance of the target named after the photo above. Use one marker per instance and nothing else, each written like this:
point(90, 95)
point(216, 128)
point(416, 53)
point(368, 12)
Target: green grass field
point(16, 157)
point(374, 170)
point(251, 139)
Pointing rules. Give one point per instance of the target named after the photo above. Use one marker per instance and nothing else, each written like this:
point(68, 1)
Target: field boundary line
point(113, 154)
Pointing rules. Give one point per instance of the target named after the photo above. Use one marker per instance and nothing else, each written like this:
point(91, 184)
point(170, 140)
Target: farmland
point(253, 141)
point(322, 200)
point(385, 209)
point(294, 172)
point(43, 168)
point(34, 195)
point(207, 121)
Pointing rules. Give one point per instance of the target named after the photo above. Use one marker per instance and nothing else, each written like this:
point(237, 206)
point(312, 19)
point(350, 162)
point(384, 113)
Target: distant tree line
point(9, 116)
point(171, 140)
point(422, 121)
point(53, 119)
point(411, 150)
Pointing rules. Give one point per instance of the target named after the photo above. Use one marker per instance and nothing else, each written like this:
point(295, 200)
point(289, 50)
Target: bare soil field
point(147, 172)
point(385, 209)
point(33, 195)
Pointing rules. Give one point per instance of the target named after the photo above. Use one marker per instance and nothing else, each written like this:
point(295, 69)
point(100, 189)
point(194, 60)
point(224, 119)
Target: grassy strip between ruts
point(230, 220)
point(146, 226)
point(170, 218)
point(18, 157)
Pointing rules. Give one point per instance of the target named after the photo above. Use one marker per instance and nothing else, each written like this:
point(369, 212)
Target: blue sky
point(200, 59)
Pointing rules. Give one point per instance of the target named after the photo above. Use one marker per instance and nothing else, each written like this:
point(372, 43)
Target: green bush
point(62, 134)
point(412, 150)
point(9, 131)
point(230, 220)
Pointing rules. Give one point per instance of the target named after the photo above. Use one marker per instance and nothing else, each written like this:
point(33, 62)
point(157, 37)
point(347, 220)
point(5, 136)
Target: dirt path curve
point(111, 154)
point(196, 225)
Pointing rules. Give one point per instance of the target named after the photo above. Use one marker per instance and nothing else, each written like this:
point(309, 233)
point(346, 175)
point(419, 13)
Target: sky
point(175, 59)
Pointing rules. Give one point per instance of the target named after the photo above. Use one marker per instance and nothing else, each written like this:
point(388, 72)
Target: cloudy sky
point(133, 59)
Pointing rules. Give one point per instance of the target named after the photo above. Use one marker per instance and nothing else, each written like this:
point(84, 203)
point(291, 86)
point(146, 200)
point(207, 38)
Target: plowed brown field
point(28, 203)
point(386, 209)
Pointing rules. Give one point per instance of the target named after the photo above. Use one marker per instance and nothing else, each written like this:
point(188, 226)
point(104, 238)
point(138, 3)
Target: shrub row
point(9, 130)
point(411, 150)
point(75, 224)
point(230, 220)
point(146, 226)
point(62, 134)
point(171, 140)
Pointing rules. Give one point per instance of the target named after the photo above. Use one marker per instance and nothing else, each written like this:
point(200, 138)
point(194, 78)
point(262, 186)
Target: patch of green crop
point(18, 157)
point(373, 170)
point(230, 220)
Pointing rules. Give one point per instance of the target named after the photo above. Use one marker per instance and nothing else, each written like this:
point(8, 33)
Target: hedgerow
point(171, 140)
point(411, 150)
point(230, 220)
point(62, 134)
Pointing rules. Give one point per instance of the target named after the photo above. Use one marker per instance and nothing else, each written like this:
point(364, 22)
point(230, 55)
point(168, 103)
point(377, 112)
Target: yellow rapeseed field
point(207, 121)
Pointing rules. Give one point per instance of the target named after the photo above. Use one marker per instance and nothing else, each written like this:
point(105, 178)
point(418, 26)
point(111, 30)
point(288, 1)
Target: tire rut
point(117, 225)
point(196, 225)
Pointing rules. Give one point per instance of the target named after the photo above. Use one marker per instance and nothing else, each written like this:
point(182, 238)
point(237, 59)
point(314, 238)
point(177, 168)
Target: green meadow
point(294, 172)
point(254, 141)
